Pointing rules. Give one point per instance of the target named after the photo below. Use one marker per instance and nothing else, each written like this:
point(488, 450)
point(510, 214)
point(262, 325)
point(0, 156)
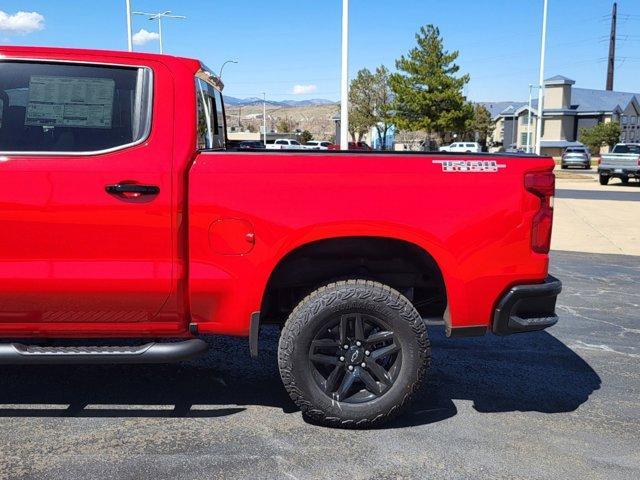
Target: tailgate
point(620, 160)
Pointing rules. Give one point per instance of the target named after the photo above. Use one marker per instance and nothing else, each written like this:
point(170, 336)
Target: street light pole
point(264, 117)
point(543, 48)
point(529, 121)
point(159, 16)
point(129, 34)
point(344, 90)
point(222, 67)
point(160, 34)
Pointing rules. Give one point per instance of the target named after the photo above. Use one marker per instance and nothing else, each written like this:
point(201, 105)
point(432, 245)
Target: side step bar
point(19, 354)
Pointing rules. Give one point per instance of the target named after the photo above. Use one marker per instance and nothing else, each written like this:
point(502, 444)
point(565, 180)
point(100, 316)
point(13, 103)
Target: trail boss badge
point(468, 166)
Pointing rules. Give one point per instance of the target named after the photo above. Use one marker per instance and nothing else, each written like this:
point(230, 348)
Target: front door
point(85, 197)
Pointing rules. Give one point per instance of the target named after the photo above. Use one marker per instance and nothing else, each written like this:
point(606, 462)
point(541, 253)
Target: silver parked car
point(576, 157)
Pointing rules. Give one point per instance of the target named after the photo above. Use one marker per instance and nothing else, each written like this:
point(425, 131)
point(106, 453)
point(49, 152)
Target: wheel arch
point(399, 262)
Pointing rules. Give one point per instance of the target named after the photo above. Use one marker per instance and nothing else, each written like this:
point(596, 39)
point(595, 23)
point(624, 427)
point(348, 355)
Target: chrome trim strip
point(144, 138)
point(210, 78)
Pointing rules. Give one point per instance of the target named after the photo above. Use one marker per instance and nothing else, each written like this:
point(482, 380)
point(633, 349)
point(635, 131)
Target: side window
point(55, 107)
point(210, 117)
point(220, 113)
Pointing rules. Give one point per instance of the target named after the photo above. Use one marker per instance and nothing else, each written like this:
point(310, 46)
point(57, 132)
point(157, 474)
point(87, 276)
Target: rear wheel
point(604, 179)
point(624, 180)
point(353, 353)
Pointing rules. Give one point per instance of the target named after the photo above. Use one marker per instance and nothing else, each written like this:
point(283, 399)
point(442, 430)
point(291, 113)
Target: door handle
point(132, 190)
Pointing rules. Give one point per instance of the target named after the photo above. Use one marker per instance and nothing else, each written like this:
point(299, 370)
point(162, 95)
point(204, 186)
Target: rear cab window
point(626, 149)
point(65, 108)
point(211, 131)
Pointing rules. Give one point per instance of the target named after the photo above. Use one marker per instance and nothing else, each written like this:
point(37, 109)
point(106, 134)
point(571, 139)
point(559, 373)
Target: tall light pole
point(543, 48)
point(264, 117)
point(531, 87)
point(129, 34)
point(159, 16)
point(344, 90)
point(222, 67)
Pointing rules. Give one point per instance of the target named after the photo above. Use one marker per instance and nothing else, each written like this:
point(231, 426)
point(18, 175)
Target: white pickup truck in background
point(284, 144)
point(623, 162)
point(462, 147)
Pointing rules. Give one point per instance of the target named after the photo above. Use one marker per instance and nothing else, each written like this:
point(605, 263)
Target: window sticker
point(70, 102)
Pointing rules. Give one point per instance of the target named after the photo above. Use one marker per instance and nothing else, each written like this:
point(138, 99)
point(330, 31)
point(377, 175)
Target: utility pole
point(129, 33)
point(344, 90)
point(264, 117)
point(159, 16)
point(612, 47)
point(543, 48)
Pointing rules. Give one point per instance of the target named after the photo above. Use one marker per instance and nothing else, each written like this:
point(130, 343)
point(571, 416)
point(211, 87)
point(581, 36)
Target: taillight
point(543, 186)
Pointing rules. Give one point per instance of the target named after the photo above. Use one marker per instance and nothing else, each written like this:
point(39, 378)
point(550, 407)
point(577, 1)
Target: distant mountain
point(242, 102)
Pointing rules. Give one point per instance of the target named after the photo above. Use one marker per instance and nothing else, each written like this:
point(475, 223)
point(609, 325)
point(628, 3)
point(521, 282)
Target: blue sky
point(284, 43)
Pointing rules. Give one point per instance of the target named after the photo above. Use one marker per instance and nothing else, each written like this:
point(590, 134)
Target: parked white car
point(284, 144)
point(462, 147)
point(317, 145)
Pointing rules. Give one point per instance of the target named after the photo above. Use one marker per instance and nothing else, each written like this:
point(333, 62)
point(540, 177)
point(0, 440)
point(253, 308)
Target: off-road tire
point(604, 179)
point(314, 313)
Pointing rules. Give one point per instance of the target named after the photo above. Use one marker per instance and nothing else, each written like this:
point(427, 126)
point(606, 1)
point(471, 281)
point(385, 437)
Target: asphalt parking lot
point(558, 404)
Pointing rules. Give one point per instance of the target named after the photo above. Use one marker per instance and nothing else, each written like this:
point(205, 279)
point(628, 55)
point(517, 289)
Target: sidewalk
point(593, 218)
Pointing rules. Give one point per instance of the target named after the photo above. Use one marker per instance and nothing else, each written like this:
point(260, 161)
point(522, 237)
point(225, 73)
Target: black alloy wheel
point(356, 358)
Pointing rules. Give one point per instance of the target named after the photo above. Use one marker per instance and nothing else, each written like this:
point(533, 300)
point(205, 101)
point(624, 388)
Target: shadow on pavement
point(533, 372)
point(600, 195)
point(520, 373)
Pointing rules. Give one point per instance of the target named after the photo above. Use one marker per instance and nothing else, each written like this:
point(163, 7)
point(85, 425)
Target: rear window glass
point(626, 149)
point(51, 107)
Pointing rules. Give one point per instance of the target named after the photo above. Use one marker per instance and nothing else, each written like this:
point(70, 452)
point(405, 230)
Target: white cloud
point(142, 37)
point(21, 22)
point(304, 89)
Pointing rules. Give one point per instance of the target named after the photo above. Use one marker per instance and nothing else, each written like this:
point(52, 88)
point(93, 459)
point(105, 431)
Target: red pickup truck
point(129, 232)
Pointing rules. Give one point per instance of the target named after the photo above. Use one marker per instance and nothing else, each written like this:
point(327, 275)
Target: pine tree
point(428, 94)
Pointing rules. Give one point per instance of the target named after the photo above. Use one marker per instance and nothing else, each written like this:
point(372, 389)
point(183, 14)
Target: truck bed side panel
point(475, 224)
